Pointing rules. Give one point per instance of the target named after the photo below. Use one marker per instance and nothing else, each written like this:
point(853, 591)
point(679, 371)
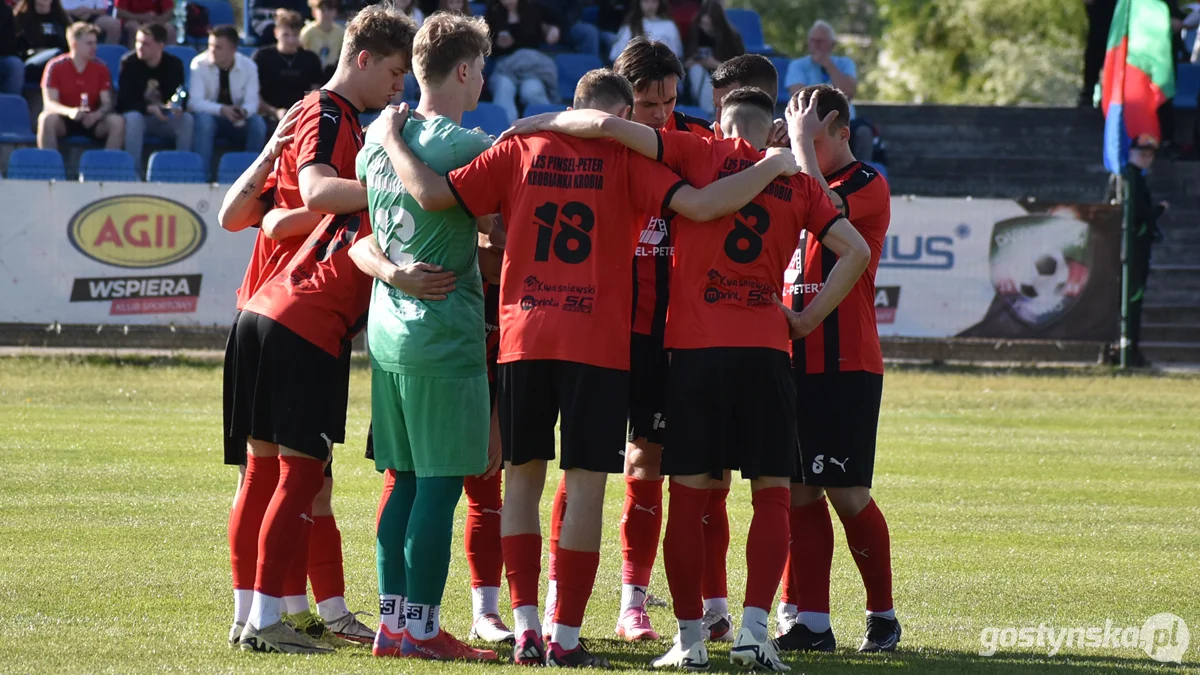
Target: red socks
point(246, 517)
point(288, 516)
point(716, 543)
point(684, 537)
point(389, 483)
point(641, 526)
point(867, 537)
point(484, 557)
point(325, 559)
point(766, 550)
point(576, 579)
point(811, 558)
point(523, 564)
point(558, 511)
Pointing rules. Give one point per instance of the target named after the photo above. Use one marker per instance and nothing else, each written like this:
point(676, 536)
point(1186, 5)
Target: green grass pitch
point(1013, 499)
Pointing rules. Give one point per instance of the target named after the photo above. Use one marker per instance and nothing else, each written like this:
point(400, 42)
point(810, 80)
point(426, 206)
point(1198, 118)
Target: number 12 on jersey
point(573, 243)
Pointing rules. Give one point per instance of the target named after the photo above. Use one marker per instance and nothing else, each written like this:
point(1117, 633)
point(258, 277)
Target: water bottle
point(83, 103)
point(178, 101)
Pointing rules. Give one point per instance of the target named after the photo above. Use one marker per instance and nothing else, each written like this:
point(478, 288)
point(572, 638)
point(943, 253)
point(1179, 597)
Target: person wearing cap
point(1141, 216)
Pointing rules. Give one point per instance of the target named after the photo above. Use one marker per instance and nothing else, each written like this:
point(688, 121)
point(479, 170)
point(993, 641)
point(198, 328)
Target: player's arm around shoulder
point(420, 280)
point(731, 193)
point(279, 224)
point(430, 190)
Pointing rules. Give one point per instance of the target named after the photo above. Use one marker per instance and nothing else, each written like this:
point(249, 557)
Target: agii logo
point(136, 231)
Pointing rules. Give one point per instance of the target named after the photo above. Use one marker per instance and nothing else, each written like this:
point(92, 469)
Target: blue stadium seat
point(233, 164)
point(185, 54)
point(489, 117)
point(694, 111)
point(1189, 40)
point(590, 14)
point(781, 66)
point(366, 118)
point(1187, 85)
point(477, 8)
point(571, 68)
point(175, 166)
point(36, 164)
point(749, 24)
point(107, 165)
point(220, 12)
point(539, 108)
point(111, 56)
point(247, 50)
point(15, 124)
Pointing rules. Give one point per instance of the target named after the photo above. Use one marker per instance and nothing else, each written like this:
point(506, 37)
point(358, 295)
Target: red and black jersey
point(848, 339)
point(652, 260)
point(726, 271)
point(569, 207)
point(320, 294)
point(327, 132)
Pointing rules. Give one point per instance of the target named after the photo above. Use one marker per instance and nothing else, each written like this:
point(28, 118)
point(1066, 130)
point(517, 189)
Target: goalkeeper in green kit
point(430, 403)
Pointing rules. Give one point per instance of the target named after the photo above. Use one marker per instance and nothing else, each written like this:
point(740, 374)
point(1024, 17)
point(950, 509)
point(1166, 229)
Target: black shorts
point(731, 408)
point(75, 128)
point(649, 368)
point(592, 403)
point(838, 415)
point(282, 389)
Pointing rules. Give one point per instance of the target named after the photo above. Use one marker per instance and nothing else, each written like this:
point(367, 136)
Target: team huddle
point(678, 300)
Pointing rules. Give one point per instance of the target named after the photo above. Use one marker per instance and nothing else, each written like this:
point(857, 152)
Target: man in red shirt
point(314, 175)
point(565, 320)
point(838, 370)
point(731, 397)
point(77, 95)
point(134, 13)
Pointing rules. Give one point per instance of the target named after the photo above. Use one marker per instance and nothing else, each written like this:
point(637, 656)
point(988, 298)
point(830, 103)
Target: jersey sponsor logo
point(650, 239)
point(750, 292)
point(530, 302)
point(136, 231)
point(841, 464)
point(887, 299)
point(175, 294)
point(803, 289)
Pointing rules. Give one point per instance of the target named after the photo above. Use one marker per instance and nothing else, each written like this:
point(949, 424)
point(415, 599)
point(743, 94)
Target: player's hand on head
point(779, 135)
point(805, 122)
point(283, 132)
point(784, 158)
point(423, 281)
point(393, 118)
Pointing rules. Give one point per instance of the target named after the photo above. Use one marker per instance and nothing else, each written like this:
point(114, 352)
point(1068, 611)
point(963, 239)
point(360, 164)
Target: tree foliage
point(945, 51)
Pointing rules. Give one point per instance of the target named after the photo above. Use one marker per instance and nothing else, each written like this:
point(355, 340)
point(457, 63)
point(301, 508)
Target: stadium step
point(1171, 314)
point(1171, 332)
point(1171, 352)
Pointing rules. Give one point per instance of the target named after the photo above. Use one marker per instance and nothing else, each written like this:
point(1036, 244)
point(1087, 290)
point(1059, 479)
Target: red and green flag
point(1139, 76)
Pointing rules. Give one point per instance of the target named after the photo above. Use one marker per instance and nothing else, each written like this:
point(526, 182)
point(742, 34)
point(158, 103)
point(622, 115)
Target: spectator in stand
point(95, 12)
point(12, 68)
point(77, 94)
point(609, 20)
point(517, 32)
point(684, 12)
point(410, 8)
point(41, 34)
point(1142, 214)
point(134, 13)
point(286, 71)
point(711, 41)
point(223, 96)
point(821, 66)
point(456, 6)
point(149, 81)
point(578, 36)
point(648, 18)
point(323, 36)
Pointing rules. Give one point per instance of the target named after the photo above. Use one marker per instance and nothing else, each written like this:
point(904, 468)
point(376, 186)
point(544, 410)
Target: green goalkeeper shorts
point(433, 426)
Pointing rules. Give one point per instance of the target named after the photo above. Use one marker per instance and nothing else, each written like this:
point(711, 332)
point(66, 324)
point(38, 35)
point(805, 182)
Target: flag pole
point(1126, 249)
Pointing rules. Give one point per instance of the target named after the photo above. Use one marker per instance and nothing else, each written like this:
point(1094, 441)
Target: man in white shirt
point(223, 96)
point(95, 12)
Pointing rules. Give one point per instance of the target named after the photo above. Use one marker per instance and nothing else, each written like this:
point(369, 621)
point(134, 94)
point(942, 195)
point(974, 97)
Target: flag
point(1139, 76)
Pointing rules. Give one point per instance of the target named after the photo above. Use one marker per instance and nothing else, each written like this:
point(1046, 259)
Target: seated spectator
point(41, 34)
point(286, 71)
point(651, 19)
point(95, 12)
point(134, 13)
point(150, 79)
point(456, 6)
point(822, 67)
point(609, 20)
point(517, 32)
point(410, 8)
point(711, 41)
point(323, 36)
point(77, 94)
point(223, 96)
point(570, 32)
point(12, 68)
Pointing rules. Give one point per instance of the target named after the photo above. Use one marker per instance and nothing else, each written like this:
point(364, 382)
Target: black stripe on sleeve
point(329, 127)
point(458, 198)
point(658, 135)
point(666, 204)
point(825, 230)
